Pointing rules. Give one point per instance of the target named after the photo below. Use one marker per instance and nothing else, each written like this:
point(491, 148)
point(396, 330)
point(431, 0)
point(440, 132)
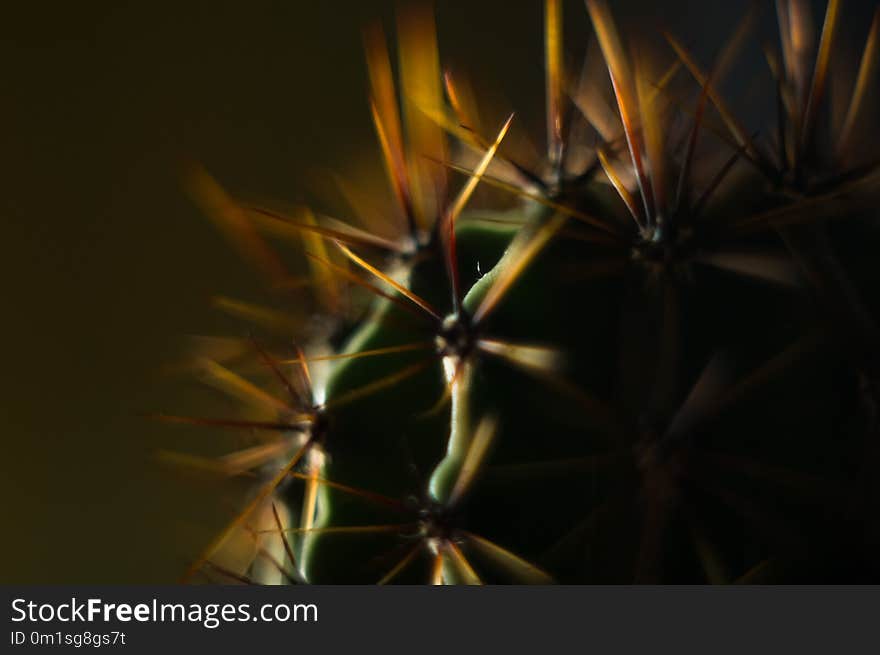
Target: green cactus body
point(640, 375)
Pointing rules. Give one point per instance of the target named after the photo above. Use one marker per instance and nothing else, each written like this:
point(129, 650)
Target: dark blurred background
point(106, 264)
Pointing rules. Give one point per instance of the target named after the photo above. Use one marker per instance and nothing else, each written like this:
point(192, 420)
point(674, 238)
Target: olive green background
point(106, 264)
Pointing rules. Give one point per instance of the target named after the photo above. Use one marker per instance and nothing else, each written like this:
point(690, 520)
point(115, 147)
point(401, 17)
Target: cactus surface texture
point(649, 354)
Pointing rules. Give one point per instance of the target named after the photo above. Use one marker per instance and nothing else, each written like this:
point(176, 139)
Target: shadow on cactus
point(650, 356)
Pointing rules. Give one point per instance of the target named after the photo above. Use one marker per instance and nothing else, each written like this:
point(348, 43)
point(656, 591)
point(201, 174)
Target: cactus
point(658, 363)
